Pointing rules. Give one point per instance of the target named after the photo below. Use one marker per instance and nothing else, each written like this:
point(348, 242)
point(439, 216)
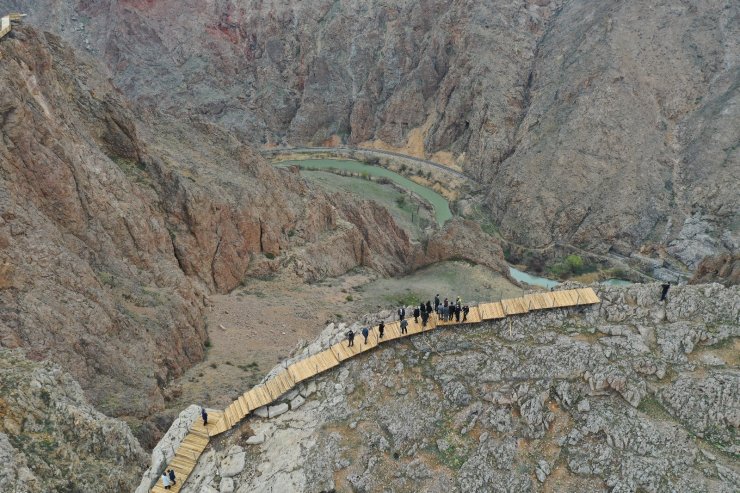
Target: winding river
point(441, 206)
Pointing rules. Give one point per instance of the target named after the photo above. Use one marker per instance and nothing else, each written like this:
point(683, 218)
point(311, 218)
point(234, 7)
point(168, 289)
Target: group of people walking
point(444, 310)
point(168, 479)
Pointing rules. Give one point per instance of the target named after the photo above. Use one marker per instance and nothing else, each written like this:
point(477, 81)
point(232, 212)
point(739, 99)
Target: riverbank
point(440, 204)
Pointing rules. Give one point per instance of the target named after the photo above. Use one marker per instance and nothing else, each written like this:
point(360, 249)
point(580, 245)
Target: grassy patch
point(406, 299)
point(253, 366)
point(650, 406)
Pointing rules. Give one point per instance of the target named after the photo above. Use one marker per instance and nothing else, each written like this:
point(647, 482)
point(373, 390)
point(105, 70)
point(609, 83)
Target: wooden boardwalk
point(6, 23)
point(186, 456)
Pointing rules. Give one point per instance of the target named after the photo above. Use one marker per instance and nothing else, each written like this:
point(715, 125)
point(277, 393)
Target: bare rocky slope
point(628, 395)
point(608, 125)
point(116, 223)
point(52, 439)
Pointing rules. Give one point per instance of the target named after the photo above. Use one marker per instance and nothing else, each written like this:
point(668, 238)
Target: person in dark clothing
point(404, 326)
point(664, 293)
point(422, 308)
point(172, 477)
point(350, 338)
point(436, 303)
point(401, 313)
point(204, 415)
point(381, 329)
point(416, 315)
point(457, 313)
point(429, 308)
point(465, 311)
point(446, 302)
point(424, 318)
point(365, 333)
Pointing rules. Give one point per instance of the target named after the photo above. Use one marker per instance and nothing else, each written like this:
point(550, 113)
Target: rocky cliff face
point(629, 395)
point(52, 439)
point(115, 224)
point(606, 125)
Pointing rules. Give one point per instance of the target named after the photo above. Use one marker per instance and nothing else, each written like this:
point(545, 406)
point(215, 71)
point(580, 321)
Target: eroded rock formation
point(599, 124)
point(52, 439)
point(631, 394)
point(114, 227)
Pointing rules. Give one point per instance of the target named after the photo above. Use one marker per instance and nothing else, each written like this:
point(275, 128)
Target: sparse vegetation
point(572, 265)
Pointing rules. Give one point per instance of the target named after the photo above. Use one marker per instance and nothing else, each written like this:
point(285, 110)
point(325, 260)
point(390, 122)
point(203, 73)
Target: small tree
point(574, 263)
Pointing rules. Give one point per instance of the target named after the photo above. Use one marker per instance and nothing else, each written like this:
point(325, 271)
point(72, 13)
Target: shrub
point(574, 263)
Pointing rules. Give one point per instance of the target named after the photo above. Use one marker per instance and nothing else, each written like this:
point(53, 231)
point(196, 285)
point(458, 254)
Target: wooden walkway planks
point(4, 26)
point(6, 23)
point(189, 451)
point(196, 441)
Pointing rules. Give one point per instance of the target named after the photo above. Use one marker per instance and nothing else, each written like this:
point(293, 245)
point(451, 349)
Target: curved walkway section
point(186, 456)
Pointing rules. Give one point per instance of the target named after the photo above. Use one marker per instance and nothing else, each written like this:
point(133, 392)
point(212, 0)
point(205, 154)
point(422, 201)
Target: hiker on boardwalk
point(350, 338)
point(445, 313)
point(404, 326)
point(365, 333)
point(664, 293)
point(457, 313)
point(465, 311)
point(171, 474)
point(416, 315)
point(424, 318)
point(401, 313)
point(204, 415)
point(436, 303)
point(381, 329)
point(429, 308)
point(458, 301)
point(166, 481)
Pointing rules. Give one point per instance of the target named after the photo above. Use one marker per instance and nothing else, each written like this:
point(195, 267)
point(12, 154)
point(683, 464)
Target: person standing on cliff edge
point(416, 315)
point(350, 338)
point(204, 415)
point(381, 329)
point(401, 313)
point(365, 333)
point(664, 293)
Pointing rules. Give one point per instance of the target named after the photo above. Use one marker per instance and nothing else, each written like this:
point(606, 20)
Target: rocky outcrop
point(90, 281)
point(52, 439)
point(630, 394)
point(591, 123)
point(723, 268)
point(462, 239)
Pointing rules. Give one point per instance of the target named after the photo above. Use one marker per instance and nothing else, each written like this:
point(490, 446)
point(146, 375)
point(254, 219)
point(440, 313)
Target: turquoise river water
point(441, 206)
